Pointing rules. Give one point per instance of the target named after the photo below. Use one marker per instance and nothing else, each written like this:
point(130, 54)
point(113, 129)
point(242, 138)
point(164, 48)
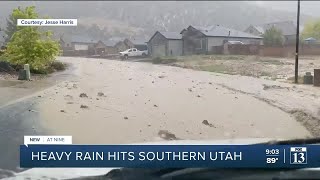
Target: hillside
point(141, 17)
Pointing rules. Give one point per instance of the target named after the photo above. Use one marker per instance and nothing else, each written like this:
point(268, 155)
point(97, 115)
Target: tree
point(273, 36)
point(311, 29)
point(29, 45)
point(11, 26)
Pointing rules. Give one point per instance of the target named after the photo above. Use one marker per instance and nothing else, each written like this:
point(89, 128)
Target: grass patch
point(264, 73)
point(211, 57)
point(219, 68)
point(271, 61)
point(164, 60)
point(291, 79)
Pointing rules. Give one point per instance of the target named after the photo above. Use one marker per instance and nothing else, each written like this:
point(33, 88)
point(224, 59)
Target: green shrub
point(58, 66)
point(52, 67)
point(30, 44)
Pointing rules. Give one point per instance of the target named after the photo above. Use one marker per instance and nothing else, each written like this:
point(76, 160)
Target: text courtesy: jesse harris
point(47, 22)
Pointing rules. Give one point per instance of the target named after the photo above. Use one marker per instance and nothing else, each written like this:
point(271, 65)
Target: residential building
point(287, 28)
point(139, 43)
point(119, 43)
point(105, 48)
point(206, 40)
point(78, 45)
point(165, 44)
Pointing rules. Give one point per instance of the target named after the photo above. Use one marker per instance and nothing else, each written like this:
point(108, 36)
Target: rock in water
point(82, 95)
point(100, 94)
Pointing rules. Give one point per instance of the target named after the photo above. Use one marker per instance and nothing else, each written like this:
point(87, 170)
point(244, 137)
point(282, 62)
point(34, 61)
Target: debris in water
point(62, 111)
point(205, 122)
point(266, 87)
point(125, 117)
point(100, 94)
point(166, 135)
point(83, 95)
point(39, 96)
point(84, 107)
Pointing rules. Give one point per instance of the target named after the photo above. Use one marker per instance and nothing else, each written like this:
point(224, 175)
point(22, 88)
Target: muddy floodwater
point(128, 102)
point(100, 101)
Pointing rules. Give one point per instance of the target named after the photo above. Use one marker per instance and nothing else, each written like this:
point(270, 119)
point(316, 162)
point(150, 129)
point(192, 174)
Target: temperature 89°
point(272, 160)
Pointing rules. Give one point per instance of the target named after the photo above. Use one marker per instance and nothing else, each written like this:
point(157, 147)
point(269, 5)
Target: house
point(119, 43)
point(165, 44)
point(80, 45)
point(139, 43)
point(310, 40)
point(211, 39)
point(83, 45)
point(105, 48)
point(288, 29)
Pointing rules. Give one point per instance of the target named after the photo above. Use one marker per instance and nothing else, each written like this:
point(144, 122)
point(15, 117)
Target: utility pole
point(297, 46)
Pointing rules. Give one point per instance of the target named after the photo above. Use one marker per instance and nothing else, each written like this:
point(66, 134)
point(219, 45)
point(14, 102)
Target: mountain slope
point(145, 17)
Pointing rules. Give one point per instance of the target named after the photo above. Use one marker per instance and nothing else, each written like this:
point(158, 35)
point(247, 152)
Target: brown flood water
point(131, 102)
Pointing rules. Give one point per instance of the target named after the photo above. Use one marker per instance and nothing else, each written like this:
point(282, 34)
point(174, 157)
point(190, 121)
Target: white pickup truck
point(133, 52)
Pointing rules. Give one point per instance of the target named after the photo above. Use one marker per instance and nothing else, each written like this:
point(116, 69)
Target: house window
point(198, 43)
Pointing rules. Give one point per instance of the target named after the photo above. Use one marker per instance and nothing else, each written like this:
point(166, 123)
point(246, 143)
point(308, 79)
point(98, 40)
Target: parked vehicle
point(133, 52)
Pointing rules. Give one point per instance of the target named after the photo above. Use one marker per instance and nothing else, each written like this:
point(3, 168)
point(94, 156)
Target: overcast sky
point(306, 7)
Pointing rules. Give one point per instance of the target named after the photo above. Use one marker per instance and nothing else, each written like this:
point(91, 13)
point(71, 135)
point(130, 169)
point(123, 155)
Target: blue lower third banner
point(170, 156)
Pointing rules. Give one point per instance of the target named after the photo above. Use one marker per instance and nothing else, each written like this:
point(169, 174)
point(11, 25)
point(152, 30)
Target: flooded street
point(19, 117)
point(126, 102)
point(105, 102)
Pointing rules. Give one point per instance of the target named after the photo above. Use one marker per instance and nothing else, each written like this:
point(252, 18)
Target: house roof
point(310, 39)
point(286, 27)
point(83, 39)
point(220, 31)
point(138, 41)
point(117, 39)
point(171, 35)
point(168, 35)
point(110, 42)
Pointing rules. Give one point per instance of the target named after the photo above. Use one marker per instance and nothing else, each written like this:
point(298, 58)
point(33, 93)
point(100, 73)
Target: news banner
point(58, 151)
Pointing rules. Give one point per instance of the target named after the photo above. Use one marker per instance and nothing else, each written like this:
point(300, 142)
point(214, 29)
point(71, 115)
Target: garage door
point(159, 50)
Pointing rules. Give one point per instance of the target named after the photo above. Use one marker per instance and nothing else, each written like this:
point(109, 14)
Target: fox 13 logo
point(298, 155)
